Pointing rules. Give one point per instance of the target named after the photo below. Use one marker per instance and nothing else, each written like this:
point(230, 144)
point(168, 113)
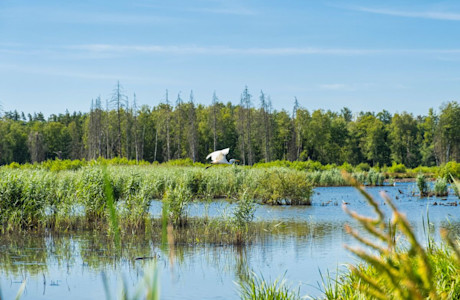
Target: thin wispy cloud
point(336, 87)
point(64, 16)
point(225, 7)
point(218, 50)
point(435, 15)
point(82, 51)
point(226, 11)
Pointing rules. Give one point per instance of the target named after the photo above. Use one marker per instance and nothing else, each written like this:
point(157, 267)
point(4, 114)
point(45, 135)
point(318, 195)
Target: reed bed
point(440, 187)
point(66, 197)
point(333, 177)
point(31, 198)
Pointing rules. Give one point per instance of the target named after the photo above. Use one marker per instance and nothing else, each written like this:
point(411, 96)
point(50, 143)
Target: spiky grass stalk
point(115, 228)
point(422, 185)
point(256, 287)
point(455, 185)
point(399, 274)
point(440, 187)
point(243, 215)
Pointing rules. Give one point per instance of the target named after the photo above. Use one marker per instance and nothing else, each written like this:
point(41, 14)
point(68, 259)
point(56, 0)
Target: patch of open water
point(70, 266)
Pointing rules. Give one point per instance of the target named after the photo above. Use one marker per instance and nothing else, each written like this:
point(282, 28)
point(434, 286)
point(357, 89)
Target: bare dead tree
point(168, 113)
point(247, 103)
point(214, 119)
point(120, 101)
point(135, 129)
point(265, 125)
point(36, 146)
point(192, 135)
point(180, 125)
point(242, 130)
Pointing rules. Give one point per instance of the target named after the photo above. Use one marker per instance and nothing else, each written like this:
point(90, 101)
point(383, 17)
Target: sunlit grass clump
point(256, 287)
point(422, 185)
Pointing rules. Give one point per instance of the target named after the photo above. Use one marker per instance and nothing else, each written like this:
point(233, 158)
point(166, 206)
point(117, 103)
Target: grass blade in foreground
point(396, 273)
point(256, 288)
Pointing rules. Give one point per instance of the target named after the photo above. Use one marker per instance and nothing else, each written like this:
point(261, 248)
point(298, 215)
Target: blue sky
point(366, 55)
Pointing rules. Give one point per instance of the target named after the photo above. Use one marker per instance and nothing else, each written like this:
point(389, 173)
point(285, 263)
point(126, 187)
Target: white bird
point(218, 157)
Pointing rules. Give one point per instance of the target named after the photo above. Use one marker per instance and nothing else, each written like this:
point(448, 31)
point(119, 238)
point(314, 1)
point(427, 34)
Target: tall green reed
point(257, 287)
point(176, 201)
point(422, 185)
point(243, 214)
point(113, 216)
point(440, 187)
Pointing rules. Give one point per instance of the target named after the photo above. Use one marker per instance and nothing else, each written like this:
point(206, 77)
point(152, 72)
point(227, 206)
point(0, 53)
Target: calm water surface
point(71, 266)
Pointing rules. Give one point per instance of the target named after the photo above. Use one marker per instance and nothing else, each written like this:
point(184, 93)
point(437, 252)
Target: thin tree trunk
point(156, 145)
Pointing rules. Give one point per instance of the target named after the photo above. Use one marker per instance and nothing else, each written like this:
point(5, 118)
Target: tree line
point(255, 132)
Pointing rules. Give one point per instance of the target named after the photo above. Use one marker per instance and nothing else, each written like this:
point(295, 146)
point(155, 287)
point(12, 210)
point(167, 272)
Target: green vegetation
point(255, 288)
point(422, 185)
point(242, 217)
point(175, 201)
point(440, 187)
point(87, 197)
point(65, 194)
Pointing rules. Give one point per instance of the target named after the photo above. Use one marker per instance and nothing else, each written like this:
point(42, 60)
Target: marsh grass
point(422, 185)
point(440, 187)
point(243, 215)
point(333, 177)
point(175, 202)
point(40, 197)
point(113, 216)
point(257, 287)
point(33, 198)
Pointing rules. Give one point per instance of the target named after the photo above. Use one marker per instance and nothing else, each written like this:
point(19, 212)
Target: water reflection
point(296, 240)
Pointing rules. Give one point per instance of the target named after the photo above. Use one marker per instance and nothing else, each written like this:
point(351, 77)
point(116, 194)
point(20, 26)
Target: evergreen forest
point(179, 128)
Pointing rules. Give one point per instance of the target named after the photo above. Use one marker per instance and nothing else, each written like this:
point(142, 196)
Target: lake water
point(70, 266)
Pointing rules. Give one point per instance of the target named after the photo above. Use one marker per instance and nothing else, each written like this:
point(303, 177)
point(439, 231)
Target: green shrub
point(243, 214)
point(363, 167)
point(176, 201)
point(422, 185)
point(440, 187)
point(256, 287)
point(91, 192)
point(346, 167)
point(451, 168)
point(397, 168)
point(283, 186)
